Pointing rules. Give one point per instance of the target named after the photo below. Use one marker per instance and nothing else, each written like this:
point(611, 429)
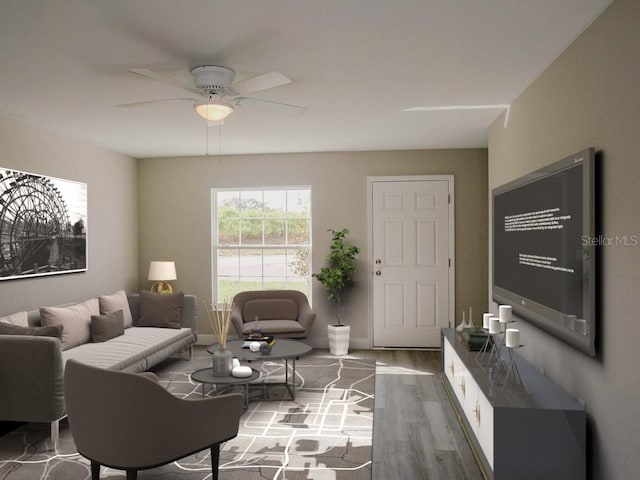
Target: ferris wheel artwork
point(43, 225)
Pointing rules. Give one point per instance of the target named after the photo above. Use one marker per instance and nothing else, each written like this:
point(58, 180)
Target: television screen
point(542, 260)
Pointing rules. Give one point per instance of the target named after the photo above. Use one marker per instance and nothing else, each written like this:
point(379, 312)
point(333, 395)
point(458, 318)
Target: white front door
point(412, 247)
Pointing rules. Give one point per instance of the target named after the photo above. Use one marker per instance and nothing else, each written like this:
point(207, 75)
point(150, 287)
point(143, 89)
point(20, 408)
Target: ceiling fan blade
point(261, 82)
point(275, 107)
point(158, 77)
point(152, 102)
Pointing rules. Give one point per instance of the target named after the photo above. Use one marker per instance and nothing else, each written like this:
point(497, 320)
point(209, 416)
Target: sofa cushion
point(10, 329)
point(114, 302)
point(75, 320)
point(107, 326)
point(18, 318)
point(160, 309)
point(275, 327)
point(270, 309)
point(134, 351)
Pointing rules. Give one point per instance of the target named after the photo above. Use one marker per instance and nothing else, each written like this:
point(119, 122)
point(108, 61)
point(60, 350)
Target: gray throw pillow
point(76, 320)
point(116, 301)
point(10, 329)
point(160, 309)
point(107, 326)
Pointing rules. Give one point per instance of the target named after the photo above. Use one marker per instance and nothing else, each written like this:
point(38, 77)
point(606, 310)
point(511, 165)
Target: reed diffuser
point(220, 319)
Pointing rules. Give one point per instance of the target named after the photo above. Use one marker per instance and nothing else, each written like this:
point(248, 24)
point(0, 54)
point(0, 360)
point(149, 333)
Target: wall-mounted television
point(543, 248)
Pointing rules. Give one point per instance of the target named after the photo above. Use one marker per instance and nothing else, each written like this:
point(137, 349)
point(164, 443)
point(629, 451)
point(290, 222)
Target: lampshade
point(214, 108)
point(162, 271)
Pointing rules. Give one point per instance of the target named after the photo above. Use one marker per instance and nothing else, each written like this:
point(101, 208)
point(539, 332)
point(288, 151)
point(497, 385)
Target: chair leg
point(95, 470)
point(215, 460)
point(132, 475)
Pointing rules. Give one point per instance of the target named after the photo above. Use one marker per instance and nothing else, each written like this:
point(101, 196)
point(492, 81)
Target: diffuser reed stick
point(220, 320)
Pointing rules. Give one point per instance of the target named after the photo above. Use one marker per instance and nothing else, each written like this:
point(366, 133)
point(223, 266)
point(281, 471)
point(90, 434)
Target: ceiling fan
point(218, 95)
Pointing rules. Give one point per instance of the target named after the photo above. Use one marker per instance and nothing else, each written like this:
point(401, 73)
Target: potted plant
point(337, 277)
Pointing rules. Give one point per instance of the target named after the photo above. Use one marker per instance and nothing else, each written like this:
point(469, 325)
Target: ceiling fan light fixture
point(213, 108)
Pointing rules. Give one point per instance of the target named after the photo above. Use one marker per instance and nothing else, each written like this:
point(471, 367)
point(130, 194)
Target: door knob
point(378, 261)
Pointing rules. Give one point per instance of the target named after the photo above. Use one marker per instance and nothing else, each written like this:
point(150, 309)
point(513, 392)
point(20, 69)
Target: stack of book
point(258, 337)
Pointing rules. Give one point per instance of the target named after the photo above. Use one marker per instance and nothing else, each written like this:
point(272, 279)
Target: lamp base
point(162, 287)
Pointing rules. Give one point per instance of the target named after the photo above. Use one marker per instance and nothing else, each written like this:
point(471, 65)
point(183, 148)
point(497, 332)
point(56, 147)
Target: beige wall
point(175, 215)
point(591, 97)
point(112, 215)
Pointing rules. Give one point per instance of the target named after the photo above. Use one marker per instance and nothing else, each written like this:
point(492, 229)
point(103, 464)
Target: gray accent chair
point(128, 421)
point(281, 313)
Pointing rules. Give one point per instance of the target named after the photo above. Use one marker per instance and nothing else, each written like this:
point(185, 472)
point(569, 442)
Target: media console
point(515, 434)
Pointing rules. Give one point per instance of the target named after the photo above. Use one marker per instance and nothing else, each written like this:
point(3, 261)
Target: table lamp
point(160, 273)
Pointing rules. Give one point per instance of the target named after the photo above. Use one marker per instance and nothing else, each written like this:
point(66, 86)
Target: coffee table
point(206, 376)
point(283, 349)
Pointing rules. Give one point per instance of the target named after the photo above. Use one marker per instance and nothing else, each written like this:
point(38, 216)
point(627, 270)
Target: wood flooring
point(416, 434)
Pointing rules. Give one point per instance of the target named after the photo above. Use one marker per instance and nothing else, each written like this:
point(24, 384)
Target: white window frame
point(214, 233)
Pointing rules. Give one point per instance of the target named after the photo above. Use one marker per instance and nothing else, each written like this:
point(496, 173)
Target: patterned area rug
point(326, 433)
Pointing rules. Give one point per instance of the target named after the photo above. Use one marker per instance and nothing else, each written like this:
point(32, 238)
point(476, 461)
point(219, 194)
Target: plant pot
point(339, 339)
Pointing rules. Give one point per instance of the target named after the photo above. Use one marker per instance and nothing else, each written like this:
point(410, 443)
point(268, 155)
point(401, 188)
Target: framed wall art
point(43, 225)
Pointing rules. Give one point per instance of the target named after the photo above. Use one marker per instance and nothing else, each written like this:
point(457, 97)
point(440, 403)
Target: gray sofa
point(32, 367)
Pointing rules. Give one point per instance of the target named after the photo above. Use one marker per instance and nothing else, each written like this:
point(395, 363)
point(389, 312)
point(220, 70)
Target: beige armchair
point(129, 422)
point(281, 313)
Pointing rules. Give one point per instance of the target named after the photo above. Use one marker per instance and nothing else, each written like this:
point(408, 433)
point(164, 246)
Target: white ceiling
point(355, 64)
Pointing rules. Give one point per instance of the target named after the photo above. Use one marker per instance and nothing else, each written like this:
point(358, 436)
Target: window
point(261, 240)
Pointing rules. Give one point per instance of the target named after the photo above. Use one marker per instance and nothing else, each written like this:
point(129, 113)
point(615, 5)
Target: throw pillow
point(10, 329)
point(75, 320)
point(160, 309)
point(113, 303)
point(109, 325)
point(19, 318)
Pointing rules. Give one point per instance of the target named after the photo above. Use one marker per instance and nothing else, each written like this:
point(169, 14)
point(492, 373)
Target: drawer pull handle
point(463, 387)
point(477, 412)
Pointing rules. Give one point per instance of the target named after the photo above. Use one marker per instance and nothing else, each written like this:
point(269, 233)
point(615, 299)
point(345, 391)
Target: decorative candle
point(485, 320)
point(513, 338)
point(494, 325)
point(505, 313)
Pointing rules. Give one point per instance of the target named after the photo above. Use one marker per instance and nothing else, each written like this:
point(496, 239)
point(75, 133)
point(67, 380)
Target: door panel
point(395, 299)
point(427, 243)
point(394, 242)
point(427, 304)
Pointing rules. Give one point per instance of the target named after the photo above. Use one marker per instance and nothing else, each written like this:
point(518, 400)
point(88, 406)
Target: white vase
point(462, 325)
point(339, 339)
